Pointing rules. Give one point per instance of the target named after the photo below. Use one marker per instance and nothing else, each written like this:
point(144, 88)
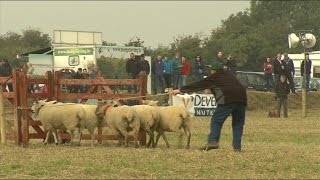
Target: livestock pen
point(21, 98)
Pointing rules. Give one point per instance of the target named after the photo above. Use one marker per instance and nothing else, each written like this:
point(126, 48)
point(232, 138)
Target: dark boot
point(210, 145)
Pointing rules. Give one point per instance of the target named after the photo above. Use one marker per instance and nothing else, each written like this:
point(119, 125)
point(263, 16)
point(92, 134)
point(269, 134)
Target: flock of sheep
point(120, 118)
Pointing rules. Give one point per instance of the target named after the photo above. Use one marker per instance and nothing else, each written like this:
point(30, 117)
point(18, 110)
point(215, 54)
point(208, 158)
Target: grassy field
point(272, 148)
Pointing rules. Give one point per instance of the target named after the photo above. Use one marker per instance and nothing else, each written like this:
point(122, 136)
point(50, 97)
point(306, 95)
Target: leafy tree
point(136, 42)
point(12, 44)
point(105, 43)
point(262, 31)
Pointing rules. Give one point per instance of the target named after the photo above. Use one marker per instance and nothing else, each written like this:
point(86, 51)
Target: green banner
point(73, 51)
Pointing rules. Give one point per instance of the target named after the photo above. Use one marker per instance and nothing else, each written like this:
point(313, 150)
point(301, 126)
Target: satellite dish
point(293, 40)
point(309, 40)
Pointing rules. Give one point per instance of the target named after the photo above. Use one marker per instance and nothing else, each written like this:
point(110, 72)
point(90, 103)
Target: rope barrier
point(137, 97)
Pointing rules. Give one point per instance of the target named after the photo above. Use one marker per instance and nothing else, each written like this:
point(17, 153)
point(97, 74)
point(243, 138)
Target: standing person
point(144, 69)
point(199, 68)
point(185, 70)
point(268, 69)
point(231, 65)
point(6, 71)
point(219, 58)
point(289, 71)
point(158, 73)
point(278, 68)
point(176, 68)
point(30, 72)
point(133, 71)
point(143, 65)
point(167, 74)
point(95, 74)
point(78, 75)
point(231, 98)
point(282, 90)
point(85, 75)
point(308, 71)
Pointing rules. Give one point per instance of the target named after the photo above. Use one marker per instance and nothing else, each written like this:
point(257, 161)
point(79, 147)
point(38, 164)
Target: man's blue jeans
point(238, 112)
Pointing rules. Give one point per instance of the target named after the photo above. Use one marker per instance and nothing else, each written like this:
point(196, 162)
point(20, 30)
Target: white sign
point(41, 63)
point(196, 104)
point(73, 57)
point(122, 52)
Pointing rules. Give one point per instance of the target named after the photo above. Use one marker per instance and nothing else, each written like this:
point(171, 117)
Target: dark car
point(253, 80)
point(314, 84)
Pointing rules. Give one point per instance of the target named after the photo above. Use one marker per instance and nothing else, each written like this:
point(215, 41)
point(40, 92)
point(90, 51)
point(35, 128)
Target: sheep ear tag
point(107, 107)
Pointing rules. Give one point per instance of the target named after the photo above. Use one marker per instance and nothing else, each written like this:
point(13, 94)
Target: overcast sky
point(155, 22)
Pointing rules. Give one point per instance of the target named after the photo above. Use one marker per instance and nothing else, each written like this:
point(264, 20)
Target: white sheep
point(172, 119)
point(91, 120)
point(121, 119)
point(149, 119)
point(64, 116)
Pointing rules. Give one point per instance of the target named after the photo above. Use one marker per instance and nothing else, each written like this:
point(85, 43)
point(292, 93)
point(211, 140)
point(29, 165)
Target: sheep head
point(102, 108)
point(150, 102)
point(39, 103)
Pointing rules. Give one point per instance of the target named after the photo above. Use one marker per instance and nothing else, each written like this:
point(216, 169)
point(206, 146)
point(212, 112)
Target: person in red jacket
point(268, 70)
point(185, 70)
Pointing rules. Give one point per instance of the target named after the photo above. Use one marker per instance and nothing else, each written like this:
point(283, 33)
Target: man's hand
point(175, 91)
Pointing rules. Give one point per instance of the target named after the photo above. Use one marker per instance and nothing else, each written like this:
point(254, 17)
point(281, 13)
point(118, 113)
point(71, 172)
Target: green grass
point(272, 148)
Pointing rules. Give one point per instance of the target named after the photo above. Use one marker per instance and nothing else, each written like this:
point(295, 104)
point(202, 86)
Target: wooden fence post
point(2, 119)
point(24, 105)
point(56, 85)
point(16, 104)
point(49, 85)
point(143, 91)
point(143, 83)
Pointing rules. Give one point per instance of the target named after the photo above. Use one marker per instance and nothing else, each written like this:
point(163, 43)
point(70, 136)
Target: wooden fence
point(21, 97)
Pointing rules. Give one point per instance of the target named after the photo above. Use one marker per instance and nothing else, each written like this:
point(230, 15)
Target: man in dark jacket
point(308, 71)
point(282, 90)
point(289, 71)
point(231, 98)
point(132, 70)
point(278, 68)
point(78, 75)
point(143, 65)
point(158, 71)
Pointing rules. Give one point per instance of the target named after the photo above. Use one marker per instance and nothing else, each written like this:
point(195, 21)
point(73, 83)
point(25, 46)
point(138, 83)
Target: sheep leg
point(180, 139)
point(55, 136)
point(124, 133)
point(135, 138)
point(78, 134)
point(47, 137)
point(165, 140)
point(151, 141)
point(157, 139)
point(126, 140)
point(92, 139)
point(72, 136)
point(120, 139)
point(188, 134)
